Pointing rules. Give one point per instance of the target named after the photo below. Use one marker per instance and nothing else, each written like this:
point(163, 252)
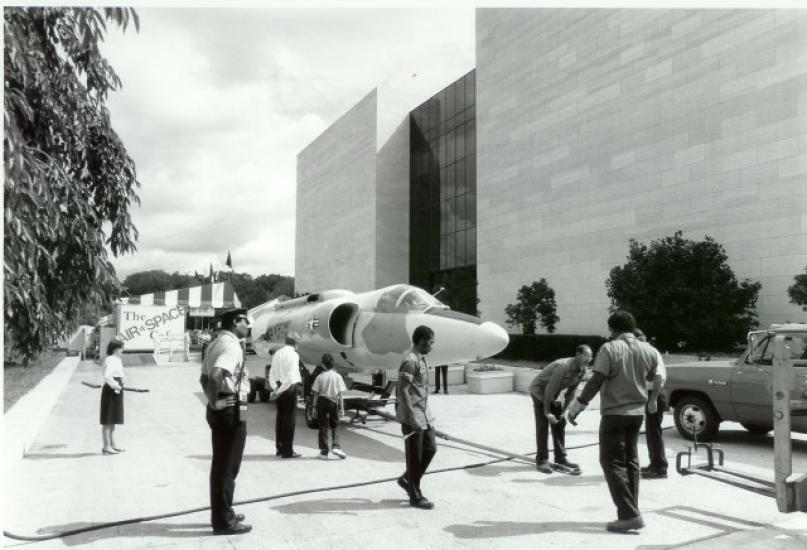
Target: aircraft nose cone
point(490, 339)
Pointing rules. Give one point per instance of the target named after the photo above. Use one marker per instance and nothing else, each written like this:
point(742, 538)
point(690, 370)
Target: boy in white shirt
point(328, 406)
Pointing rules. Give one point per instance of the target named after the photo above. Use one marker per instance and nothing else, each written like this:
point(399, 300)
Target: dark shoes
point(543, 467)
point(423, 503)
point(625, 525)
point(235, 529)
point(292, 455)
point(403, 483)
point(239, 518)
point(567, 464)
point(653, 473)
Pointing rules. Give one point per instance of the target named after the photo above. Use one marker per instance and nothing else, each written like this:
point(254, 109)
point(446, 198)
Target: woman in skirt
point(112, 396)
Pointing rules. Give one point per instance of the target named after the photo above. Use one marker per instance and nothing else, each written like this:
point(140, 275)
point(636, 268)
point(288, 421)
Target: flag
point(229, 261)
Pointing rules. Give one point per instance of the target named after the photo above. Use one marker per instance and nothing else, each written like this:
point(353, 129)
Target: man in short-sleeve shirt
point(621, 370)
point(412, 411)
point(223, 378)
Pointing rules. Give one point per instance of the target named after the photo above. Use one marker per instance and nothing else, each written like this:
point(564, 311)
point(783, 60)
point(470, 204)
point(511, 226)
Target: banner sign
point(202, 312)
point(139, 326)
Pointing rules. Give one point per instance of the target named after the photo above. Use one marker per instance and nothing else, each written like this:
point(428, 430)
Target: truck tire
point(310, 419)
point(695, 413)
point(756, 429)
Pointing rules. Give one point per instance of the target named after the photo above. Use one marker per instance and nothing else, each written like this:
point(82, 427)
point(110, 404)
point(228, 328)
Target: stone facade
point(353, 204)
point(598, 126)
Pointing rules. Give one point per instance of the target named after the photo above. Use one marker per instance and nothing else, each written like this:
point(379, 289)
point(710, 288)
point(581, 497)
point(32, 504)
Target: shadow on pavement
point(343, 506)
point(563, 480)
point(145, 529)
point(48, 456)
point(498, 529)
point(494, 470)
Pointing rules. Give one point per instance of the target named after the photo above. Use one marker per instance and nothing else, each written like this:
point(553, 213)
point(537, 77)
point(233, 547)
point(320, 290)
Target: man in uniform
point(657, 469)
point(412, 411)
point(225, 382)
point(545, 390)
point(284, 378)
point(621, 369)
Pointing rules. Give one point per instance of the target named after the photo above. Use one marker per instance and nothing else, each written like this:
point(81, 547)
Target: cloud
point(216, 104)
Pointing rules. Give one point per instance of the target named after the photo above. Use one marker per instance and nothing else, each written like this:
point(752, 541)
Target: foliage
point(798, 290)
point(251, 292)
point(547, 347)
point(69, 182)
point(534, 303)
point(684, 294)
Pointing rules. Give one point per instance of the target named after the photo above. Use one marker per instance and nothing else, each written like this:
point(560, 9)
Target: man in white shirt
point(284, 377)
point(223, 379)
point(652, 419)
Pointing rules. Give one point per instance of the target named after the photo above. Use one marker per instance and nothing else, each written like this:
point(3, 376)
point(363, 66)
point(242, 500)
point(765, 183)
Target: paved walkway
point(65, 483)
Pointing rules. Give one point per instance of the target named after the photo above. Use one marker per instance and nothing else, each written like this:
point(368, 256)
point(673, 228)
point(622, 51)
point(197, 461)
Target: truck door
point(797, 348)
point(751, 385)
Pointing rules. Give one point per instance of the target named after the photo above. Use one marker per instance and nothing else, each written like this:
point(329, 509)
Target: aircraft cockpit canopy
point(406, 298)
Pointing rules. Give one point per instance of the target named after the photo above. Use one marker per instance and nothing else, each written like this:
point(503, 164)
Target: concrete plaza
point(65, 483)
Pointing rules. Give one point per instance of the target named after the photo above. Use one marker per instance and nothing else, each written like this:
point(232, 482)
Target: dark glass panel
point(450, 181)
point(434, 113)
point(460, 178)
point(460, 142)
point(443, 217)
point(451, 252)
point(470, 209)
point(444, 184)
point(441, 150)
point(461, 213)
point(459, 95)
point(461, 254)
point(470, 173)
point(470, 89)
point(450, 103)
point(471, 246)
point(443, 252)
point(450, 147)
point(470, 138)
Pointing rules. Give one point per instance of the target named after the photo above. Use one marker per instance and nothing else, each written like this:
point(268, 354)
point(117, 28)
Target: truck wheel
point(756, 429)
point(696, 414)
point(310, 419)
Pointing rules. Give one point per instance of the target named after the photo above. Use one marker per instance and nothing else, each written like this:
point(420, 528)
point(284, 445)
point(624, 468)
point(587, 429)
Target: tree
point(681, 290)
point(67, 173)
point(798, 290)
point(157, 280)
point(534, 303)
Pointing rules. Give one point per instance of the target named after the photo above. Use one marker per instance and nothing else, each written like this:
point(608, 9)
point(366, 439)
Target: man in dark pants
point(545, 389)
point(621, 368)
point(652, 420)
point(441, 370)
point(284, 378)
point(412, 411)
point(225, 383)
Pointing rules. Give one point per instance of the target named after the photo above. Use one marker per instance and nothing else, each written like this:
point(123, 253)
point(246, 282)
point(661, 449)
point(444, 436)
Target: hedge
point(548, 347)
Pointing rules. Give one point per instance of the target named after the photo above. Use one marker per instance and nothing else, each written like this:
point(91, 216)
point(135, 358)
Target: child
point(328, 406)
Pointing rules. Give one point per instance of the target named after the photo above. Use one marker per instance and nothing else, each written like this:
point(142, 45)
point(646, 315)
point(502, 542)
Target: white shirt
point(285, 369)
point(113, 368)
point(661, 370)
point(226, 354)
point(329, 384)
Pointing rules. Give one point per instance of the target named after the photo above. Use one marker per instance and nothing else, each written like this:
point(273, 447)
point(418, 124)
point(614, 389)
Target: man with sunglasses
point(563, 374)
point(224, 380)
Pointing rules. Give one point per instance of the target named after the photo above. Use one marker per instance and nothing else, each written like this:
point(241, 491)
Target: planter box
point(522, 377)
point(490, 381)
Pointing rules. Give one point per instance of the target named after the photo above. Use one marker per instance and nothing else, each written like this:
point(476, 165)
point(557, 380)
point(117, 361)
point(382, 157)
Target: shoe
point(654, 474)
point(322, 456)
point(238, 518)
point(278, 453)
point(423, 503)
point(292, 455)
point(108, 451)
point(625, 525)
point(339, 452)
point(543, 467)
point(235, 529)
point(118, 450)
point(403, 483)
point(644, 469)
point(436, 391)
point(564, 462)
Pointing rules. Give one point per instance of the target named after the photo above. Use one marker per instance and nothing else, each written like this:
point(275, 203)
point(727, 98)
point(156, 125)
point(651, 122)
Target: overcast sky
point(216, 103)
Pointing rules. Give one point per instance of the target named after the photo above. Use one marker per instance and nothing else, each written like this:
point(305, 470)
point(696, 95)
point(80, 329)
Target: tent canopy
point(216, 295)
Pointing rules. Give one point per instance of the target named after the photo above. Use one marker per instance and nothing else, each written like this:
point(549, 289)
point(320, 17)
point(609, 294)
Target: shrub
point(684, 295)
point(534, 303)
point(798, 290)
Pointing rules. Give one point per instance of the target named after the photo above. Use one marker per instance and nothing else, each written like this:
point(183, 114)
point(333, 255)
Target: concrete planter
point(490, 381)
point(522, 377)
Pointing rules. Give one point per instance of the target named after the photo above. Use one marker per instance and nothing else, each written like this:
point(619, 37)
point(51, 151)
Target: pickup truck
point(703, 394)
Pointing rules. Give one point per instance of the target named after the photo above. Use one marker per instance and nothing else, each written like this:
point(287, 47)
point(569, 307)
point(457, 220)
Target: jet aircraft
point(371, 330)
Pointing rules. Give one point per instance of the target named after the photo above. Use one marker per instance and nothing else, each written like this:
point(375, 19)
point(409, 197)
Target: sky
point(216, 103)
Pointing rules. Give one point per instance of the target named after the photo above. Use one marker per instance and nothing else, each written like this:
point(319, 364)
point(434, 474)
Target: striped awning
point(216, 295)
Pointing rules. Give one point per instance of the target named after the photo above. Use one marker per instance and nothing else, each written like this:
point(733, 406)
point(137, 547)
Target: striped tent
point(216, 295)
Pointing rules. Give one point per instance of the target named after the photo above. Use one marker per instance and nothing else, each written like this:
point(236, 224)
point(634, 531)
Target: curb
point(25, 418)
